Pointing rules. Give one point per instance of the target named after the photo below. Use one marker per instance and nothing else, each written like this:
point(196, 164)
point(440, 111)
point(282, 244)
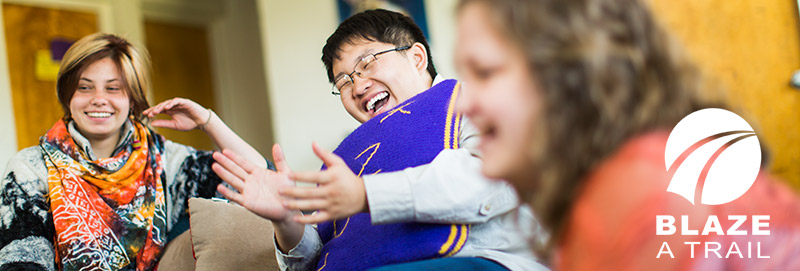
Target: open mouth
point(99, 114)
point(377, 102)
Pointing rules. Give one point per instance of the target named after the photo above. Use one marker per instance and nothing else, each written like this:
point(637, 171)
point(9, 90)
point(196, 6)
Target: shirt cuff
point(303, 255)
point(389, 197)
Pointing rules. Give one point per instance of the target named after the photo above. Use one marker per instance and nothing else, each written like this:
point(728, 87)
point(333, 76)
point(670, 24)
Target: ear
point(419, 56)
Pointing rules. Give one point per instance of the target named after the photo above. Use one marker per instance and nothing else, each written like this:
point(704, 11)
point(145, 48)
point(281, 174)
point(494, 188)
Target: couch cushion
point(178, 254)
point(229, 237)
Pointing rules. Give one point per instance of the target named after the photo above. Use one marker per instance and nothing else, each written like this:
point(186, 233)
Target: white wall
point(303, 110)
point(441, 30)
point(240, 81)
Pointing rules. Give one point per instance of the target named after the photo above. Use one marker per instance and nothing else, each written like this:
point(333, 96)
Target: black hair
point(375, 25)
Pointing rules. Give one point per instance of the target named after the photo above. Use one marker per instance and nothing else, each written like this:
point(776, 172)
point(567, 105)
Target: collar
point(86, 147)
point(438, 79)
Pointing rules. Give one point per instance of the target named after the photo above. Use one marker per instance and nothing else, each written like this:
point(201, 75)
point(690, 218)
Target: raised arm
point(186, 115)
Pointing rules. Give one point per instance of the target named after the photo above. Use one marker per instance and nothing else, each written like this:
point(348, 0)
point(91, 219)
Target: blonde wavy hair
point(133, 64)
point(606, 72)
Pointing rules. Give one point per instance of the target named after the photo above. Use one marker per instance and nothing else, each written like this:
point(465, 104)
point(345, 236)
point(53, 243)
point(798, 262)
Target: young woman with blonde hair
point(102, 190)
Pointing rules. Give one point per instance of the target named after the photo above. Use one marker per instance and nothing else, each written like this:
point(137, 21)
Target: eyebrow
point(361, 56)
point(107, 81)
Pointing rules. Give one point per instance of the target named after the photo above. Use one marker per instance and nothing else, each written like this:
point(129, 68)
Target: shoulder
point(627, 186)
point(29, 155)
point(27, 169)
point(613, 215)
point(176, 153)
point(29, 158)
point(637, 165)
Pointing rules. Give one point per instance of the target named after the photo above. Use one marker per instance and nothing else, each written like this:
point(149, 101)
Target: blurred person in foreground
point(102, 190)
point(404, 190)
point(575, 101)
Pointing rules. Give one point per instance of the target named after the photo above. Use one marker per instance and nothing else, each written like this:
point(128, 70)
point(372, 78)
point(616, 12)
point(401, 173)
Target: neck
point(104, 147)
point(428, 80)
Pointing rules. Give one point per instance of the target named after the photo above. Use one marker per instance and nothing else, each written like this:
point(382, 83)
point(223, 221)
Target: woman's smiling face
point(100, 104)
point(500, 95)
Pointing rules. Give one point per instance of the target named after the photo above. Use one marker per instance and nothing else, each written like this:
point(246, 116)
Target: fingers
point(228, 177)
point(229, 166)
point(163, 107)
point(155, 110)
point(229, 194)
point(314, 218)
point(171, 103)
point(327, 157)
point(301, 193)
point(164, 124)
point(318, 177)
point(241, 162)
point(306, 205)
point(280, 160)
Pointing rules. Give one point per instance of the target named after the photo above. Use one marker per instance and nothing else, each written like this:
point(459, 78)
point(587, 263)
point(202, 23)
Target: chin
point(499, 170)
point(491, 171)
point(98, 130)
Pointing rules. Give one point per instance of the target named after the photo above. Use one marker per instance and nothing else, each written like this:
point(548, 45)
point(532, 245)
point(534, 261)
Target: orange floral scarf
point(108, 213)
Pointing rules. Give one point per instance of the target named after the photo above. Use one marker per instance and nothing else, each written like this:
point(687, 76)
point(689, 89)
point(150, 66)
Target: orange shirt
point(613, 222)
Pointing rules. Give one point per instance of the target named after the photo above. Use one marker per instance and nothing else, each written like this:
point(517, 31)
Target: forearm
point(448, 190)
point(304, 254)
point(225, 138)
point(287, 234)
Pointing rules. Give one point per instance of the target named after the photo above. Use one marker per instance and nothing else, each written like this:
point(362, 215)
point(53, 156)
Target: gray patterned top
point(26, 225)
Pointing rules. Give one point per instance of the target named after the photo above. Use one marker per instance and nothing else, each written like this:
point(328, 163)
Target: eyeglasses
point(363, 68)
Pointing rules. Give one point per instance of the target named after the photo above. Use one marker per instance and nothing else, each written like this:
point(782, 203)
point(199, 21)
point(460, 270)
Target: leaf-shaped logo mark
point(713, 156)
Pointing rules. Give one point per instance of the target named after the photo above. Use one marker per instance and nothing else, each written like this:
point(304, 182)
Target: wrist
point(286, 222)
point(204, 125)
point(365, 203)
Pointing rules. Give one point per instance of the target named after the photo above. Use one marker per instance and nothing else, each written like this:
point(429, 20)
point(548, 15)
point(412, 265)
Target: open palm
point(257, 188)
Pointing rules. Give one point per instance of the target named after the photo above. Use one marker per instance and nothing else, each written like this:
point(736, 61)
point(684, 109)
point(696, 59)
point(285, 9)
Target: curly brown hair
point(607, 72)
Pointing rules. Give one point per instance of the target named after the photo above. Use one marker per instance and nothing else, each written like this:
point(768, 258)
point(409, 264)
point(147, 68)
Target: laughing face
point(393, 78)
point(100, 105)
point(500, 95)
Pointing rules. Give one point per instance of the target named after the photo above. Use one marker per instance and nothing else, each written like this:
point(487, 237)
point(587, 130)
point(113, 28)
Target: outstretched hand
point(339, 192)
point(184, 114)
point(257, 187)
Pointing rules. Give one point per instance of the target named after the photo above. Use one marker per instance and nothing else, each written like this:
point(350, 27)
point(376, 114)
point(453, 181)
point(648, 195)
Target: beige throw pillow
point(229, 237)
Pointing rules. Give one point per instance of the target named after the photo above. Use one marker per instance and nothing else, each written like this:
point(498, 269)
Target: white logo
point(715, 157)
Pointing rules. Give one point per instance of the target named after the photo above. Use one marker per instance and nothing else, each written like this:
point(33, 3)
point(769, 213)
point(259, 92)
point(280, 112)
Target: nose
point(98, 99)
point(361, 84)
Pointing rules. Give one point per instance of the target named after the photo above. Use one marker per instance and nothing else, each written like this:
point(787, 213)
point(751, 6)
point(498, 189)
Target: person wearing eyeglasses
point(403, 191)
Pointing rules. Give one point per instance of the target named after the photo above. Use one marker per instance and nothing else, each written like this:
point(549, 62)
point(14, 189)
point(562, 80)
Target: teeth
point(371, 103)
point(99, 114)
